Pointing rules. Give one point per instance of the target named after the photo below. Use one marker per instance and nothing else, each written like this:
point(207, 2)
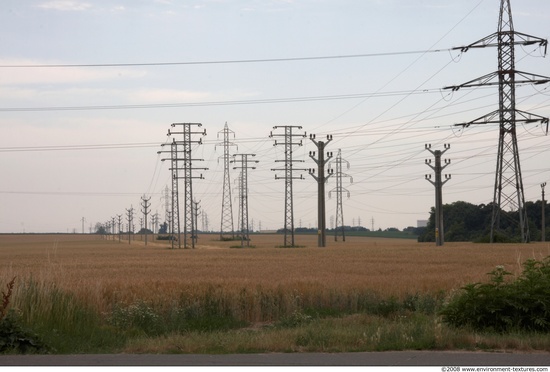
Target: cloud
point(65, 5)
point(169, 95)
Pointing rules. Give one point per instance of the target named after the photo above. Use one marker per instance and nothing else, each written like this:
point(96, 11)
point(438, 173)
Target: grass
point(85, 295)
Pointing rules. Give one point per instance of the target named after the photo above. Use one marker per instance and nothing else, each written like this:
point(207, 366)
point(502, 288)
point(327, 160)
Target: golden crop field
point(102, 272)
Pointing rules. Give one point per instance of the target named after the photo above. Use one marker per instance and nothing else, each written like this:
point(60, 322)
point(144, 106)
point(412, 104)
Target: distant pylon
point(289, 169)
point(243, 200)
point(339, 189)
point(508, 191)
point(119, 216)
point(145, 203)
point(226, 224)
point(130, 219)
point(173, 216)
point(196, 213)
point(167, 210)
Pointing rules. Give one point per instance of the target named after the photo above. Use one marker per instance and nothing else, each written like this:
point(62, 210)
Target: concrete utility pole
point(130, 219)
point(243, 205)
point(438, 183)
point(321, 180)
point(289, 169)
point(82, 219)
point(226, 225)
point(339, 190)
point(543, 228)
point(145, 204)
point(508, 191)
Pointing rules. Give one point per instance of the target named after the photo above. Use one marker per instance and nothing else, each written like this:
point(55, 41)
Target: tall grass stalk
point(61, 320)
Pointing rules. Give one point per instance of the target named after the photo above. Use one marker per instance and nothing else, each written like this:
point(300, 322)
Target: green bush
point(522, 304)
point(16, 339)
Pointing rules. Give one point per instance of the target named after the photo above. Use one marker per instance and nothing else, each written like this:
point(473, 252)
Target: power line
point(106, 146)
point(220, 103)
point(234, 61)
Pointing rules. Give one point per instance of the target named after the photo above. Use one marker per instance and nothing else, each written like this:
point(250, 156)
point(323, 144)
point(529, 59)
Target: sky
point(89, 89)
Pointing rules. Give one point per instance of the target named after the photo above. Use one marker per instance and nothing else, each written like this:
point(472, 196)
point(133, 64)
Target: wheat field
point(101, 272)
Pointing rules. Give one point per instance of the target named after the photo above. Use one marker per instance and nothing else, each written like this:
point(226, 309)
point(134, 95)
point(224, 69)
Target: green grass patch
point(63, 323)
point(51, 320)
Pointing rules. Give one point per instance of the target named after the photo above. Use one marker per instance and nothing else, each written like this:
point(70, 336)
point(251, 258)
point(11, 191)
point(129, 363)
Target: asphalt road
point(401, 358)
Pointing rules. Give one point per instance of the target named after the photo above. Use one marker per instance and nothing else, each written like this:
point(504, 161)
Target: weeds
point(296, 319)
point(6, 299)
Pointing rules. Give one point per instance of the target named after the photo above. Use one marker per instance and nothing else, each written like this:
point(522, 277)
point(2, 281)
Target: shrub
point(16, 339)
point(503, 306)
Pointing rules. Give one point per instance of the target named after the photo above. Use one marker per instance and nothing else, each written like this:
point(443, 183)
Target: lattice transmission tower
point(173, 208)
point(187, 131)
point(289, 143)
point(243, 195)
point(508, 191)
point(226, 225)
point(339, 189)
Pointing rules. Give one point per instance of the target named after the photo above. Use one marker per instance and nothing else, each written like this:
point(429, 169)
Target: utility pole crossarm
point(492, 41)
point(487, 80)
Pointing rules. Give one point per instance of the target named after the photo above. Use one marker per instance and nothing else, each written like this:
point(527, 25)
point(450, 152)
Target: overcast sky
point(81, 141)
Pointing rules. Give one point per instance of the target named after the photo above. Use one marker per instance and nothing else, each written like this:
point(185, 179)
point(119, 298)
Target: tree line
point(463, 221)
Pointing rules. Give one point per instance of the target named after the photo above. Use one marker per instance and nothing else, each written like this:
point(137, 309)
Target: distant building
point(268, 231)
point(421, 223)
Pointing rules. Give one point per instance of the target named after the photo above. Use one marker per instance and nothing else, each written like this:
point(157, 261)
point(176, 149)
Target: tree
point(163, 229)
point(463, 221)
point(100, 229)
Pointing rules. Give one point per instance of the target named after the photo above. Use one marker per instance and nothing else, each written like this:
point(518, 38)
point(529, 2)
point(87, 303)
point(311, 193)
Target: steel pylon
point(226, 224)
point(289, 169)
point(508, 191)
point(339, 189)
